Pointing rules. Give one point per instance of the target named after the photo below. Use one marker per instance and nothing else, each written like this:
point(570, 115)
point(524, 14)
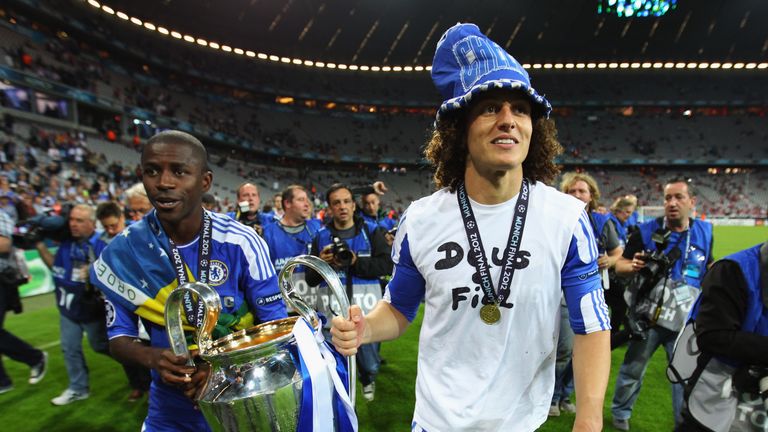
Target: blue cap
point(467, 63)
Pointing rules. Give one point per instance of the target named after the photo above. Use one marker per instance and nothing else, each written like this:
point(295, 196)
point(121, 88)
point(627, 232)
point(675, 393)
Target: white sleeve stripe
point(602, 308)
point(232, 225)
point(584, 243)
point(228, 227)
point(255, 253)
point(597, 306)
point(586, 226)
point(593, 313)
point(247, 244)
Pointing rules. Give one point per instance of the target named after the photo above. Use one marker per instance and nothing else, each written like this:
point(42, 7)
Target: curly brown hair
point(447, 151)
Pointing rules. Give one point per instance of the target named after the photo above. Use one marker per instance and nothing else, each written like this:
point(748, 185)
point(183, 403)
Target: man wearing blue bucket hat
point(488, 339)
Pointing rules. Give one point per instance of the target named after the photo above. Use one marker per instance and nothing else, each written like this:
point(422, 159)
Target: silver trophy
point(254, 382)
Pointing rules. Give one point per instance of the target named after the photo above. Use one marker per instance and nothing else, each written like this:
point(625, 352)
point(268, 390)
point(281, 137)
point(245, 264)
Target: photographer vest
point(75, 297)
point(669, 302)
point(710, 397)
point(364, 292)
point(693, 261)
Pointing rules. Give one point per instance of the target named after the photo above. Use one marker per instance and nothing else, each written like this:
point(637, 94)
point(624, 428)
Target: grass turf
point(28, 408)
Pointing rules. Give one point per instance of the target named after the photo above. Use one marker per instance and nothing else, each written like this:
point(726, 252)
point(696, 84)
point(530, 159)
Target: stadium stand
point(633, 120)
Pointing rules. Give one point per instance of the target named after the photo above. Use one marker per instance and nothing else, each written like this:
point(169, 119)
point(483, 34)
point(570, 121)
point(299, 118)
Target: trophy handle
point(299, 305)
point(173, 318)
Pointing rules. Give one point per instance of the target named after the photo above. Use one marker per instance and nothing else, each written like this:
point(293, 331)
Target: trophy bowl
point(255, 381)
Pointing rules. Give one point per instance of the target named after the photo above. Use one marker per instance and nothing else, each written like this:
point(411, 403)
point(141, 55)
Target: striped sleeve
point(581, 283)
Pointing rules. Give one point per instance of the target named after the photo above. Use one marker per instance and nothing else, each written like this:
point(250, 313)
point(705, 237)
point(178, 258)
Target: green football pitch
point(28, 408)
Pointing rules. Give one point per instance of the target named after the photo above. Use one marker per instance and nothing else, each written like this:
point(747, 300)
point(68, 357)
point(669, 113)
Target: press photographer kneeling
point(668, 257)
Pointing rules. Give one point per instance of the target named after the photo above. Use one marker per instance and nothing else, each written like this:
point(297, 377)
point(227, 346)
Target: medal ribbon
point(513, 243)
point(194, 312)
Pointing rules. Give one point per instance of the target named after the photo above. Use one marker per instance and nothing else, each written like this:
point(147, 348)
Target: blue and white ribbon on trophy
point(325, 404)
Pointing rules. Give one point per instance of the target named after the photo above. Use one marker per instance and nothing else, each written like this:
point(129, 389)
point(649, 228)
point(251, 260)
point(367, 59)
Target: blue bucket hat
point(467, 63)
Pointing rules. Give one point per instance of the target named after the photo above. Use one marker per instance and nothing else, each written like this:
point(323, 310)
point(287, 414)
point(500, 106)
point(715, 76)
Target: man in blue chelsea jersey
point(140, 262)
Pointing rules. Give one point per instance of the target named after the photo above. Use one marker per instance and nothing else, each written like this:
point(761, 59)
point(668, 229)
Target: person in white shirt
point(488, 338)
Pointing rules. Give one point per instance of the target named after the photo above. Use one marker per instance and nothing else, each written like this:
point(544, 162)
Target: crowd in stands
point(647, 133)
point(609, 134)
point(43, 168)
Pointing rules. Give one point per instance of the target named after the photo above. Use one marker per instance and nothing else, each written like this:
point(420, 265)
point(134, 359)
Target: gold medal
point(490, 313)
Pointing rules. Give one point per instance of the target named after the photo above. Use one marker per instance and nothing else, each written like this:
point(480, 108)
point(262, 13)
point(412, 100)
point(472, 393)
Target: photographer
point(247, 211)
point(358, 251)
point(667, 257)
point(10, 345)
point(80, 305)
point(730, 321)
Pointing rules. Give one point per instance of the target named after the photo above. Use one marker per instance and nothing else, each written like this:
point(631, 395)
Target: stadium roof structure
point(404, 32)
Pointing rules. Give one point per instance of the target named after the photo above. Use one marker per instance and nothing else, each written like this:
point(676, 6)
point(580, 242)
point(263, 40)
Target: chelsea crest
point(217, 273)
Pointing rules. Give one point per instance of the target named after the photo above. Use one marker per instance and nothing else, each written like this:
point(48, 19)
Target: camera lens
point(341, 251)
point(345, 257)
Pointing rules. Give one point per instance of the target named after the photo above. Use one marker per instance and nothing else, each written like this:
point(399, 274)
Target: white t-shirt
point(473, 376)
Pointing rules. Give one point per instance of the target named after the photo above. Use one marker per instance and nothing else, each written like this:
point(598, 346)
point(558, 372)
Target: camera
point(657, 264)
point(243, 208)
point(42, 227)
point(637, 326)
point(341, 251)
